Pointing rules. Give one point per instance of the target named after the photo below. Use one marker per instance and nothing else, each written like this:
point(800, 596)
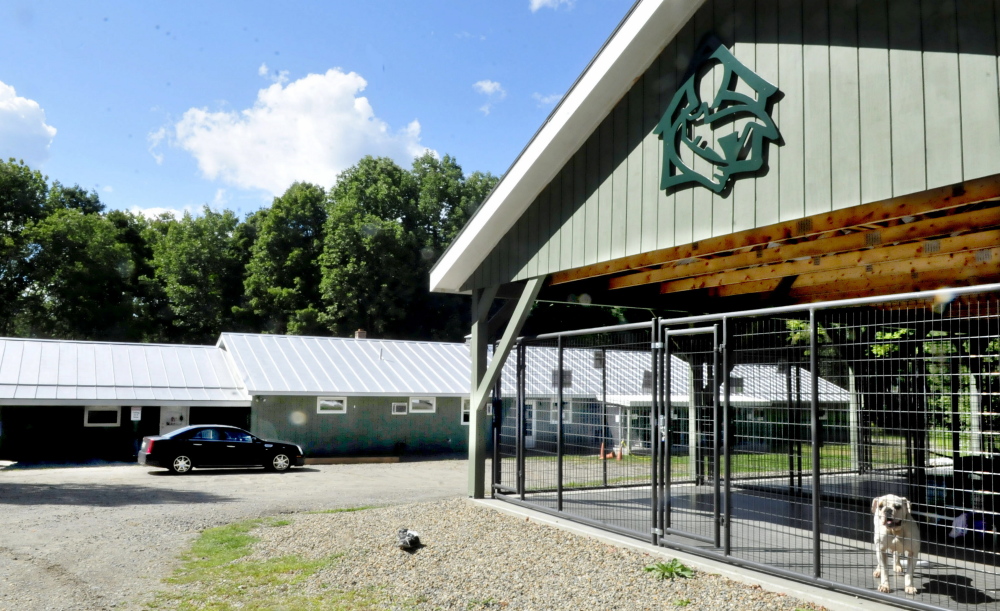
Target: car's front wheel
point(280, 462)
point(181, 464)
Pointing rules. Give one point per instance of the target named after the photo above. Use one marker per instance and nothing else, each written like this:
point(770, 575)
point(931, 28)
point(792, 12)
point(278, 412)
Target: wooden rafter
point(870, 216)
point(826, 244)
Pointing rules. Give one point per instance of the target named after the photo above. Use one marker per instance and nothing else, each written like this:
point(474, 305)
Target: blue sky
point(175, 105)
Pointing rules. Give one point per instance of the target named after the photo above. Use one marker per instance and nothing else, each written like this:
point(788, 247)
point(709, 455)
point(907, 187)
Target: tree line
point(316, 262)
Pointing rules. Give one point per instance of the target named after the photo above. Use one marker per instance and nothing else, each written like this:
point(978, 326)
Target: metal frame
point(815, 489)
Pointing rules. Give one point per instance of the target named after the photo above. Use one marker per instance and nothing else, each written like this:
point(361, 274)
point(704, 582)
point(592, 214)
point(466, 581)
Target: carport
point(810, 187)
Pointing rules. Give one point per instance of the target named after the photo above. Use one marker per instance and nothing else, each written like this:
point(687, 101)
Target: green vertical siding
point(879, 99)
point(367, 429)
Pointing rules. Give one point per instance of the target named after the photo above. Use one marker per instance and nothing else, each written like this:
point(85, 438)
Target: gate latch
point(657, 345)
point(658, 531)
point(722, 521)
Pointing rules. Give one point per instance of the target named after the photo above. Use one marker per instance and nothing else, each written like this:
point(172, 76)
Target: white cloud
point(493, 90)
point(535, 5)
point(154, 212)
point(263, 70)
point(154, 140)
point(546, 100)
point(24, 134)
point(490, 88)
point(220, 199)
point(108, 189)
point(309, 130)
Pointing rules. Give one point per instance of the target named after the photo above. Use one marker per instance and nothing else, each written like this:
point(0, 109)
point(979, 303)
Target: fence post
point(816, 439)
point(604, 413)
point(727, 439)
point(559, 434)
point(520, 420)
point(654, 416)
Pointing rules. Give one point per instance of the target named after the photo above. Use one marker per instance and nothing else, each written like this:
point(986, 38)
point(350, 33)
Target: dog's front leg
point(880, 573)
point(896, 565)
point(911, 561)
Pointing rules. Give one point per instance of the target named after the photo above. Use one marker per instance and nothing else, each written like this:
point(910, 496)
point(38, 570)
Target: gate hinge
point(722, 348)
point(722, 520)
point(658, 531)
point(657, 345)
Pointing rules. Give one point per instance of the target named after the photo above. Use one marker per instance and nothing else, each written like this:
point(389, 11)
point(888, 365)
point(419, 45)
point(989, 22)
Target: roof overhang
point(118, 403)
point(647, 29)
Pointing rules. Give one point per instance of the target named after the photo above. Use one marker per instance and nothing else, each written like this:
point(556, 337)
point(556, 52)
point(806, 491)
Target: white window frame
point(400, 404)
point(465, 410)
point(432, 410)
point(102, 408)
point(567, 413)
point(319, 405)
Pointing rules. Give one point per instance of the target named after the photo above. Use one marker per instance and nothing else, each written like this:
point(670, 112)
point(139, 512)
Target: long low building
point(74, 400)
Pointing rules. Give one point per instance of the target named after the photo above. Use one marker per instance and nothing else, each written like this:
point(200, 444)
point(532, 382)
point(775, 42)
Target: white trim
point(341, 400)
point(567, 413)
point(465, 415)
point(117, 403)
point(641, 37)
point(401, 404)
point(102, 408)
point(431, 400)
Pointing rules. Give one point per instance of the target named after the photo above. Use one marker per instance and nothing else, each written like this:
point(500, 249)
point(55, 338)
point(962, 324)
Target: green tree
point(81, 277)
point(72, 198)
point(370, 261)
point(283, 272)
point(200, 269)
point(22, 198)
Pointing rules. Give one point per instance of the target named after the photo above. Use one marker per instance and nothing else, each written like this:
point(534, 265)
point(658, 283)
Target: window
point(647, 381)
point(398, 409)
point(422, 405)
point(567, 378)
point(567, 413)
point(331, 405)
point(735, 385)
point(240, 436)
point(101, 416)
point(207, 435)
point(466, 415)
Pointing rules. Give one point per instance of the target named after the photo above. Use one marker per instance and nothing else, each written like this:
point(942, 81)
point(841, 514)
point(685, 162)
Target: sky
point(170, 106)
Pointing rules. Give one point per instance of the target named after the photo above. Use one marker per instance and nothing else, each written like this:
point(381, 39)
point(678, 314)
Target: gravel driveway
point(103, 537)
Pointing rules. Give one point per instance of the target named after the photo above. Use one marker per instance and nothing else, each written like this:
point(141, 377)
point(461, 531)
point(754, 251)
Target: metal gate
point(760, 438)
point(691, 493)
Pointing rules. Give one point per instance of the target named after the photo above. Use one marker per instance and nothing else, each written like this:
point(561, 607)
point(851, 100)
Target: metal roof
point(626, 370)
point(56, 372)
point(296, 365)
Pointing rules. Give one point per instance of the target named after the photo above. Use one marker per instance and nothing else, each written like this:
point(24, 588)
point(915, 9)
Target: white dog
point(896, 532)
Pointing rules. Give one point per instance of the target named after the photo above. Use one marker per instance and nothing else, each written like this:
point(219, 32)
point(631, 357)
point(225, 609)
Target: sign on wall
point(690, 124)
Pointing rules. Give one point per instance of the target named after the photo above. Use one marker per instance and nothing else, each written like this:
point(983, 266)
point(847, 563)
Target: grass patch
point(216, 576)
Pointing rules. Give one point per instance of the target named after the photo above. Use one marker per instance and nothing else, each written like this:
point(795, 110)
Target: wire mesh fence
point(789, 440)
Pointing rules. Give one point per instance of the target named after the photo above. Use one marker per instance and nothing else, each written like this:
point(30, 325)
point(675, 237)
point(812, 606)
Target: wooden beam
point(942, 198)
point(836, 243)
point(524, 303)
point(854, 259)
point(937, 269)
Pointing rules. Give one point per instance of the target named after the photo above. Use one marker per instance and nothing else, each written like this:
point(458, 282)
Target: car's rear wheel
point(280, 462)
point(181, 464)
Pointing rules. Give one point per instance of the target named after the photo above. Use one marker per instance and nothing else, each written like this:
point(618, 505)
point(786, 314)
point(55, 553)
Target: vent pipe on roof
point(360, 334)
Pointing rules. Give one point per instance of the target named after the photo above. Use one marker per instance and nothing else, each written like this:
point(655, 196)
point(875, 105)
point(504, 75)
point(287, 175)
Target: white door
point(530, 422)
point(172, 418)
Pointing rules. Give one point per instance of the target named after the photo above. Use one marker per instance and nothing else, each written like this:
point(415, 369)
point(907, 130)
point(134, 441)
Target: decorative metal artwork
point(740, 151)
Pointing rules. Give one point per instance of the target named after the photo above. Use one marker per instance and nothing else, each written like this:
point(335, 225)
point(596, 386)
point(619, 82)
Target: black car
point(216, 445)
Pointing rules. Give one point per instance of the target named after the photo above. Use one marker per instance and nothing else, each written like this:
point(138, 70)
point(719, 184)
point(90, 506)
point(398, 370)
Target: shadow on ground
point(99, 495)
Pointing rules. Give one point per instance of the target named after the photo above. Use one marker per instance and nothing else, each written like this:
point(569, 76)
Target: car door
point(239, 448)
point(206, 447)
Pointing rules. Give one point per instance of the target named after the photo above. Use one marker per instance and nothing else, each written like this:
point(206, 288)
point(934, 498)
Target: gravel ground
point(476, 558)
point(104, 537)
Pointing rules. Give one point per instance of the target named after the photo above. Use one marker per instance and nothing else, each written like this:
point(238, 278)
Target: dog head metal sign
point(736, 152)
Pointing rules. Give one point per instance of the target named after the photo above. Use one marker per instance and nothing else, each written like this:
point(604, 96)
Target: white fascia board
point(348, 394)
point(118, 403)
point(646, 31)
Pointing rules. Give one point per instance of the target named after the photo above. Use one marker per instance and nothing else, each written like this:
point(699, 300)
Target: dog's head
point(891, 510)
